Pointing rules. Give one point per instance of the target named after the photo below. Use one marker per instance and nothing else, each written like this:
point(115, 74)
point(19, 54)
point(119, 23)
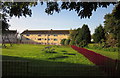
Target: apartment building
point(45, 37)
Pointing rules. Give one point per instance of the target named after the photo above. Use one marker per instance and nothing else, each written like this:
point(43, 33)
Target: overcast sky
point(64, 20)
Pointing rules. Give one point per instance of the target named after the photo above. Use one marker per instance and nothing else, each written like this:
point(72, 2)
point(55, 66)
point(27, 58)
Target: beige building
point(49, 37)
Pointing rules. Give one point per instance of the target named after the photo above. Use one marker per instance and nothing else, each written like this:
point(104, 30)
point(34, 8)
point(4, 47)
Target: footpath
point(108, 65)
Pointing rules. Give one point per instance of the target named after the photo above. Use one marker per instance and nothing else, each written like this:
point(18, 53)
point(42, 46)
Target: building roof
point(45, 32)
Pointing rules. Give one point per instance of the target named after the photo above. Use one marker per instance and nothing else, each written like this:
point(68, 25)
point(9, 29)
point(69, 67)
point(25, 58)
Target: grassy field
point(113, 55)
point(64, 61)
point(105, 52)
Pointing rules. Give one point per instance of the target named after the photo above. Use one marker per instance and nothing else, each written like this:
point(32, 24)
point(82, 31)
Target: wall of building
point(52, 39)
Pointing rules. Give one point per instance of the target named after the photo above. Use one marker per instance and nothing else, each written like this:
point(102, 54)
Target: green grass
point(65, 61)
point(104, 51)
point(113, 55)
point(35, 52)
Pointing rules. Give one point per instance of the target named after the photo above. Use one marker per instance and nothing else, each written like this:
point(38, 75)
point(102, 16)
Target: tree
point(4, 27)
point(67, 41)
point(63, 42)
point(83, 36)
point(99, 34)
point(72, 37)
point(80, 36)
point(72, 33)
point(83, 9)
point(86, 33)
point(112, 27)
point(72, 42)
point(5, 32)
point(116, 11)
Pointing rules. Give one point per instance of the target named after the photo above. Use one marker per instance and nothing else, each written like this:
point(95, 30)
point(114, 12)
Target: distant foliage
point(99, 47)
point(112, 27)
point(67, 41)
point(86, 33)
point(63, 41)
point(83, 9)
point(83, 43)
point(72, 42)
point(81, 36)
point(99, 34)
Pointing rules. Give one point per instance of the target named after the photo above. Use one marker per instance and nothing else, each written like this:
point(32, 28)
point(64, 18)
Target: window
point(55, 39)
point(48, 39)
point(27, 39)
point(54, 43)
point(55, 34)
point(39, 38)
point(27, 35)
point(39, 35)
point(39, 43)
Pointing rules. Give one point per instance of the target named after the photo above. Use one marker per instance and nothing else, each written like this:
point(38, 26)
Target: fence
point(108, 65)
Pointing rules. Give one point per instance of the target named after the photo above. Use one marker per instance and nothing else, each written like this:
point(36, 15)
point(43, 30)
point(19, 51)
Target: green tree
point(72, 34)
point(99, 34)
point(86, 33)
point(72, 42)
point(83, 9)
point(4, 27)
point(67, 41)
point(72, 37)
point(83, 43)
point(63, 41)
point(79, 36)
point(112, 27)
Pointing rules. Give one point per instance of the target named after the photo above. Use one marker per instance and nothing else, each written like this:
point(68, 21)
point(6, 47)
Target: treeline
point(106, 36)
point(79, 37)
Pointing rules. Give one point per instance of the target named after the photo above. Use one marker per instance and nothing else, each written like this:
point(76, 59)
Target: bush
point(63, 42)
point(67, 41)
point(83, 43)
point(72, 42)
point(98, 46)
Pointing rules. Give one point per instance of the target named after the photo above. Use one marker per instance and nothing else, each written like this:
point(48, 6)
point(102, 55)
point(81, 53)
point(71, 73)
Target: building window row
point(45, 35)
point(47, 39)
point(49, 43)
point(43, 39)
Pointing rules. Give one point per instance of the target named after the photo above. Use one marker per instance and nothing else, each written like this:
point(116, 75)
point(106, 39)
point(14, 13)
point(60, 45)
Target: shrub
point(72, 42)
point(83, 43)
point(62, 42)
point(48, 49)
point(67, 41)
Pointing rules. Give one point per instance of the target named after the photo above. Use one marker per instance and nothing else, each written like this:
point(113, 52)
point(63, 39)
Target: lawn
point(64, 61)
point(113, 55)
point(109, 52)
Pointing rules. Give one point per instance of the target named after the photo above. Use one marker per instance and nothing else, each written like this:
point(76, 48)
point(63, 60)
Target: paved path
point(108, 65)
